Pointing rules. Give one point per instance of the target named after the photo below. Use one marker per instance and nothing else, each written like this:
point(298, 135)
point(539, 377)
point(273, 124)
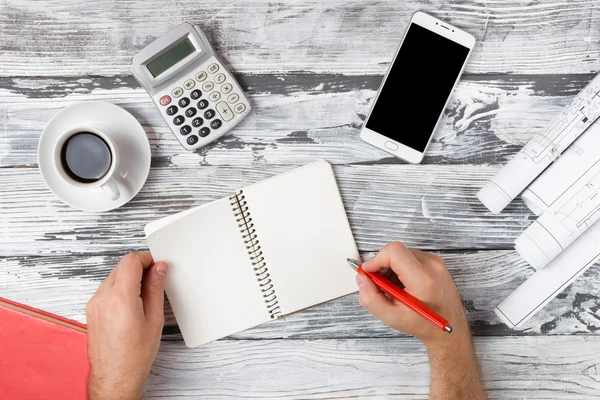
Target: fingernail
point(359, 280)
point(366, 264)
point(161, 269)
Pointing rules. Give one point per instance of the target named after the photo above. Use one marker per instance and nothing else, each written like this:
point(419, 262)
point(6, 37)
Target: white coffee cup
point(107, 184)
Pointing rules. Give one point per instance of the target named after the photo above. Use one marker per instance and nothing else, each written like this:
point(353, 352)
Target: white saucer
point(129, 138)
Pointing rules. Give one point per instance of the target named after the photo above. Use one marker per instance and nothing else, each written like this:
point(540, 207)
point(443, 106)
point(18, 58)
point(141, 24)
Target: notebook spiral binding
point(250, 238)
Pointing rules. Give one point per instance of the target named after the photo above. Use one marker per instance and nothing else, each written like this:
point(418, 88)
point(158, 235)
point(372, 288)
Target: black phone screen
point(417, 87)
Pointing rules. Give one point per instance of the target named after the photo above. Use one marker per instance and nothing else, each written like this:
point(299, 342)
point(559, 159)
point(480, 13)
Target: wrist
point(454, 344)
point(103, 389)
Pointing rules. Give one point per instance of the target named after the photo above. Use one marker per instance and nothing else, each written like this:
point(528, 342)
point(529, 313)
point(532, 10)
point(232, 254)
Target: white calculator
point(197, 97)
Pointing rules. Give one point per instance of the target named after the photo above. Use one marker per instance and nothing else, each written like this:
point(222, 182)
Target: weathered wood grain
point(299, 117)
point(64, 283)
point(512, 368)
point(423, 205)
point(57, 38)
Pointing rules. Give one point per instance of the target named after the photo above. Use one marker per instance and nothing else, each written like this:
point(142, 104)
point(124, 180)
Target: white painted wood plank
point(73, 38)
point(512, 368)
point(63, 284)
point(423, 205)
point(297, 118)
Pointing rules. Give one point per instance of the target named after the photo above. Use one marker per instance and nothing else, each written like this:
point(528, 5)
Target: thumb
point(153, 290)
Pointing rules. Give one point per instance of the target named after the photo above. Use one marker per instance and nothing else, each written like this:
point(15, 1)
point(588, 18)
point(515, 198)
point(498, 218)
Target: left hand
point(125, 320)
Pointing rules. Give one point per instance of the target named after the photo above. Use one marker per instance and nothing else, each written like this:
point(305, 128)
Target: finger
point(153, 291)
point(109, 281)
point(400, 259)
point(131, 269)
point(374, 301)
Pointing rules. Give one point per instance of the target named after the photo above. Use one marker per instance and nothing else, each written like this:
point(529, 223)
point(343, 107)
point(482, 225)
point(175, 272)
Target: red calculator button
point(166, 99)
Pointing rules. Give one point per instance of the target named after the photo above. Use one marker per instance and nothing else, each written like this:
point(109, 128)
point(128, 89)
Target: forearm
point(454, 371)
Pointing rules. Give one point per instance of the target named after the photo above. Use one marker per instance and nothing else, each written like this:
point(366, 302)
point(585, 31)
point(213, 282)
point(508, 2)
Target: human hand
point(124, 323)
point(424, 276)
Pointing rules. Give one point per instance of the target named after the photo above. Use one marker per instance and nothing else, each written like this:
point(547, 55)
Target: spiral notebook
point(268, 250)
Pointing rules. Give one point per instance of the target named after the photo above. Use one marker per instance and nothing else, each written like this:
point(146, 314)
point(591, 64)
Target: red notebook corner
point(42, 356)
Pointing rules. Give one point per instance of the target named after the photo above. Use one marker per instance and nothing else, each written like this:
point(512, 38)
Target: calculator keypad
point(206, 106)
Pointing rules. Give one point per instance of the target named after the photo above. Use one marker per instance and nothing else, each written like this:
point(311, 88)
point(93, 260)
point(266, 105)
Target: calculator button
point(226, 88)
point(224, 111)
point(234, 97)
point(192, 140)
point(239, 108)
point(189, 84)
point(214, 96)
point(178, 120)
point(190, 112)
point(177, 92)
point(202, 104)
point(204, 132)
point(196, 122)
point(216, 123)
point(172, 110)
point(166, 99)
point(184, 102)
point(208, 114)
point(220, 78)
point(200, 76)
point(212, 68)
point(196, 94)
point(185, 130)
point(208, 86)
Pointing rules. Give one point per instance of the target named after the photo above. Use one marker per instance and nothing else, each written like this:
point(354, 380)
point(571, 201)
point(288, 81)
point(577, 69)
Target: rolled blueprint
point(545, 146)
point(564, 172)
point(570, 215)
point(545, 284)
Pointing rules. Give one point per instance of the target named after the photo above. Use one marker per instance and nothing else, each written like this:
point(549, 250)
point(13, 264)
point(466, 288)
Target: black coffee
point(86, 157)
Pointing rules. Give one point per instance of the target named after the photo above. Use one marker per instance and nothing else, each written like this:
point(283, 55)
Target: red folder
point(42, 356)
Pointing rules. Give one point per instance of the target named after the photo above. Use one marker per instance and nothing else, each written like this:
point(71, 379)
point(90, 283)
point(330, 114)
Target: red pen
point(403, 297)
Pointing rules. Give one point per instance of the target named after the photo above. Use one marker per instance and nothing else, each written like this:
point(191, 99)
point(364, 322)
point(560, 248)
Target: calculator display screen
point(417, 87)
point(170, 57)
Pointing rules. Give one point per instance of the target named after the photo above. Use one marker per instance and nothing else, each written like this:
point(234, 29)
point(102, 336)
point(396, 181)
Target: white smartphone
point(416, 88)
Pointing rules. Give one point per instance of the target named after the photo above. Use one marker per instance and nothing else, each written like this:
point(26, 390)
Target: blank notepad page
point(210, 283)
point(305, 236)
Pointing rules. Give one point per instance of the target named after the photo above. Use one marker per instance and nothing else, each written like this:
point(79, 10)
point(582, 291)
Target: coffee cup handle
point(111, 189)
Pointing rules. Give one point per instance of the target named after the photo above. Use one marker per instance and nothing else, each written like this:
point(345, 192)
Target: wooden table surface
point(311, 70)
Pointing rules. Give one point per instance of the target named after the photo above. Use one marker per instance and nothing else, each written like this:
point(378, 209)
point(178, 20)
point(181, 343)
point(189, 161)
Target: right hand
point(424, 276)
